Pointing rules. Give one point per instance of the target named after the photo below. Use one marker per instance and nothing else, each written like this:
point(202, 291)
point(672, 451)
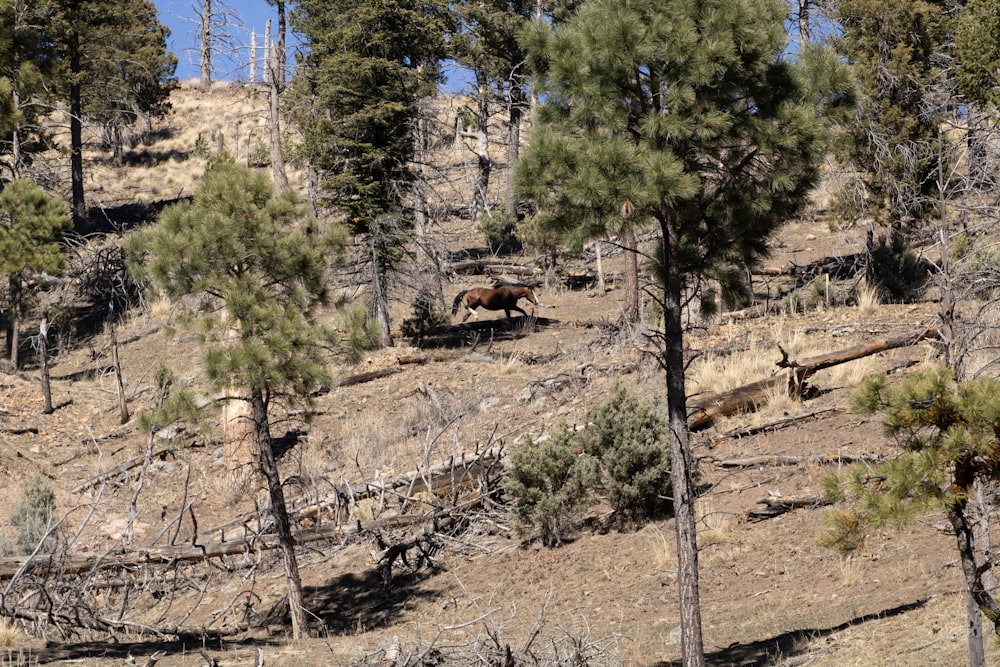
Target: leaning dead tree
point(748, 397)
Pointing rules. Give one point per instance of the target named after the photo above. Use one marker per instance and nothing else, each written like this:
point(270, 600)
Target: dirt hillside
point(771, 594)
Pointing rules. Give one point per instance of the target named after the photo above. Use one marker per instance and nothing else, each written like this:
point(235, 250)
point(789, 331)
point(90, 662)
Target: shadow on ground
point(788, 644)
point(356, 603)
point(480, 333)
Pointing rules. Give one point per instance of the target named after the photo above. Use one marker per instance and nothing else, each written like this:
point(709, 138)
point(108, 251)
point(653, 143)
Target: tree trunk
point(379, 307)
point(279, 512)
point(513, 152)
point(205, 81)
point(122, 403)
point(274, 126)
point(632, 309)
point(427, 260)
point(79, 204)
point(238, 449)
point(43, 358)
point(15, 139)
point(280, 56)
point(14, 324)
point(692, 645)
point(987, 603)
point(485, 165)
point(805, 28)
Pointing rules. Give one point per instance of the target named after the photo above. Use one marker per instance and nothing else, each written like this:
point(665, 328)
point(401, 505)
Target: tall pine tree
point(684, 115)
point(31, 225)
point(363, 74)
point(256, 266)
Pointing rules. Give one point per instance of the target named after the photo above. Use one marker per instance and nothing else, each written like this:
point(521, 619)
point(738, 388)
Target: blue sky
point(231, 60)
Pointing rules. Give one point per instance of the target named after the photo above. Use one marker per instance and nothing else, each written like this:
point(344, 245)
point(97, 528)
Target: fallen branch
point(775, 506)
point(134, 462)
point(47, 563)
point(748, 397)
point(367, 377)
point(776, 460)
point(771, 426)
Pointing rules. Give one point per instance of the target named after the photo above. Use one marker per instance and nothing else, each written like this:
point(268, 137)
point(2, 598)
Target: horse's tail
point(458, 300)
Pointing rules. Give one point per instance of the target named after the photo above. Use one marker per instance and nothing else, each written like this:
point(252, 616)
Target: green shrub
point(427, 319)
point(628, 437)
point(33, 515)
point(497, 228)
point(548, 483)
point(362, 332)
point(897, 271)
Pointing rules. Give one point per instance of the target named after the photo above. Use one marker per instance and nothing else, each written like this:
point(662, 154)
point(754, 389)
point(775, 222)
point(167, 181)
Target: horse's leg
point(518, 309)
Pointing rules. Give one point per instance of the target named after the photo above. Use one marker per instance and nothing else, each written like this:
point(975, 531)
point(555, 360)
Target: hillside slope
point(771, 593)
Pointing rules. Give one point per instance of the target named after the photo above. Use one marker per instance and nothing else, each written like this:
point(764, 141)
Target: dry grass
point(10, 634)
point(869, 301)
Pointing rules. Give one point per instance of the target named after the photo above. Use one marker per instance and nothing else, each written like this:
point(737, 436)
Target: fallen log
point(492, 266)
point(777, 505)
point(779, 460)
point(775, 425)
point(748, 397)
point(133, 462)
point(167, 554)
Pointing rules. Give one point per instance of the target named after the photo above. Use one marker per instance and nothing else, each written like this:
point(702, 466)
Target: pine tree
point(897, 50)
point(357, 94)
point(255, 267)
point(31, 226)
point(686, 113)
point(949, 439)
point(26, 62)
point(114, 67)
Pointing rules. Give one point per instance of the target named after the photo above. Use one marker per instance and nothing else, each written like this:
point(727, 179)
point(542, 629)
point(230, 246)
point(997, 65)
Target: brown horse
point(499, 298)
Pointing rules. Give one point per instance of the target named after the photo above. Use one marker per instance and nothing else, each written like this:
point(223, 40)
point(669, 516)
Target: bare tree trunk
point(805, 27)
point(76, 136)
point(601, 285)
point(205, 81)
point(485, 165)
point(238, 448)
point(14, 324)
point(692, 645)
point(279, 512)
point(274, 127)
point(122, 403)
point(280, 57)
point(426, 257)
point(379, 307)
point(984, 599)
point(253, 58)
point(632, 306)
point(43, 358)
point(513, 152)
point(15, 145)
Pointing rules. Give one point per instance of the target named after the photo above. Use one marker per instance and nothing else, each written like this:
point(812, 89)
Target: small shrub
point(628, 437)
point(497, 228)
point(548, 483)
point(896, 270)
point(33, 515)
point(362, 333)
point(427, 319)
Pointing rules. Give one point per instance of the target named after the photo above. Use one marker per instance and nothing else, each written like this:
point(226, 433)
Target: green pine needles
point(250, 267)
point(949, 436)
point(622, 456)
point(33, 515)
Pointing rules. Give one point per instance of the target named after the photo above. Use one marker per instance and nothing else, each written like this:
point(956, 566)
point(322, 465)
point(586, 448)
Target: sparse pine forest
point(748, 415)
